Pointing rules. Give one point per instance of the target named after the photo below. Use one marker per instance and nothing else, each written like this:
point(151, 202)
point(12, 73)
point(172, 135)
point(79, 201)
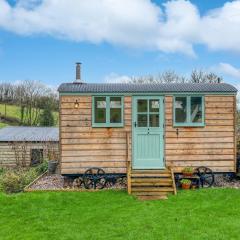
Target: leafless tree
point(170, 76)
point(200, 76)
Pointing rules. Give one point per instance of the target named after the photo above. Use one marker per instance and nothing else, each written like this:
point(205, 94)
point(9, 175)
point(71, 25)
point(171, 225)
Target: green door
point(148, 128)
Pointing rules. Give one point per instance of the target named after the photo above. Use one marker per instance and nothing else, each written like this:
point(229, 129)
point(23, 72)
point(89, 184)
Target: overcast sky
point(116, 39)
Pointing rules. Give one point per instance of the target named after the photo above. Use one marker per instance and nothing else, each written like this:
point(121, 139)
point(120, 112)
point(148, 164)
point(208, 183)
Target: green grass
point(14, 111)
point(3, 124)
point(204, 214)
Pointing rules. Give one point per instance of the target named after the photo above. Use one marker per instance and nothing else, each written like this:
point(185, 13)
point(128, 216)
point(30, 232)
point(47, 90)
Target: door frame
point(134, 97)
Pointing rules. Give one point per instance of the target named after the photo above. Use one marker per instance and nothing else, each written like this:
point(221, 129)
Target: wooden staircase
point(151, 184)
point(148, 184)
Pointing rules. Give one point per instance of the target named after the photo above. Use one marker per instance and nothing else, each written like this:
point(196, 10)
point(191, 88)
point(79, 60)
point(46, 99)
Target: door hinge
point(163, 136)
point(163, 125)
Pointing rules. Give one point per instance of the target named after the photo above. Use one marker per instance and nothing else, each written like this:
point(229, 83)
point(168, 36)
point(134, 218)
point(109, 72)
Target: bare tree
point(200, 76)
point(170, 76)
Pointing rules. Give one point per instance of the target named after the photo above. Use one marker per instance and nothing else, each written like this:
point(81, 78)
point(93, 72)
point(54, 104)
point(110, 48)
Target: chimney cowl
point(78, 73)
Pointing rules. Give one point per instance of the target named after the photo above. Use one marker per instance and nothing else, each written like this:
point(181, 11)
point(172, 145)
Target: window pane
point(154, 120)
point(115, 102)
point(142, 105)
point(115, 115)
point(100, 109)
point(142, 120)
point(180, 109)
point(196, 109)
point(154, 105)
point(36, 156)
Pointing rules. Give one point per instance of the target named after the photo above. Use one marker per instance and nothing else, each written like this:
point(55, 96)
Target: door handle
point(135, 124)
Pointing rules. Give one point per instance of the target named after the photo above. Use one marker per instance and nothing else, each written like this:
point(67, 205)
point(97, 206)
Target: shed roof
point(29, 134)
point(141, 88)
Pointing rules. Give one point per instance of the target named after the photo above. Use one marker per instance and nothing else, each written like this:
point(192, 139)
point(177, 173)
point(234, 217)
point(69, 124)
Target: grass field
point(201, 214)
point(3, 125)
point(14, 111)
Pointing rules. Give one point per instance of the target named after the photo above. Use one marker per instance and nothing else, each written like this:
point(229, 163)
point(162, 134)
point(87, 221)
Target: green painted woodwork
point(148, 132)
point(108, 111)
point(188, 122)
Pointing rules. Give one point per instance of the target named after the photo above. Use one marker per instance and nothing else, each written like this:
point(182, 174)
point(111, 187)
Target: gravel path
point(49, 182)
point(56, 181)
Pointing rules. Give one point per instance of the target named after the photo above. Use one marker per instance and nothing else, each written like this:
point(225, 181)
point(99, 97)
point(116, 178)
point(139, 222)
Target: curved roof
point(141, 88)
point(29, 134)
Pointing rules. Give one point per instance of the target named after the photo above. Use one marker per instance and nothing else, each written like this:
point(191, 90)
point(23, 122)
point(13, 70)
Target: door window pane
point(196, 109)
point(142, 120)
point(142, 105)
point(100, 109)
point(180, 109)
point(154, 105)
point(154, 120)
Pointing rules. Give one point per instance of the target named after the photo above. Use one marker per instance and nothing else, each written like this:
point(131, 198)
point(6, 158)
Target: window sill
point(120, 125)
point(189, 125)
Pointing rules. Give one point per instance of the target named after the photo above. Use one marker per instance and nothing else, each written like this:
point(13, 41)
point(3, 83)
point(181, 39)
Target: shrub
point(13, 181)
point(41, 168)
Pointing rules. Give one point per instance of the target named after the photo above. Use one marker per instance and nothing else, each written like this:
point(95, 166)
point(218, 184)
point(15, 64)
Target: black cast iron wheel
point(94, 178)
point(206, 176)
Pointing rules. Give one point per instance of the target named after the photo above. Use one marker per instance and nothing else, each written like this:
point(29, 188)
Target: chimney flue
point(78, 73)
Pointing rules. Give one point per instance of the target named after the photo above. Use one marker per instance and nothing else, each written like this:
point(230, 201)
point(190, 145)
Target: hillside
point(13, 111)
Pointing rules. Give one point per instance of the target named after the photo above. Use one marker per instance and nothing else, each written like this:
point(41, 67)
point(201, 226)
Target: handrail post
point(173, 179)
point(128, 163)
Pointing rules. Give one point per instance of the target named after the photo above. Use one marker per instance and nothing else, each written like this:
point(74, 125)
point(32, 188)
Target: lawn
point(3, 124)
point(14, 111)
point(204, 214)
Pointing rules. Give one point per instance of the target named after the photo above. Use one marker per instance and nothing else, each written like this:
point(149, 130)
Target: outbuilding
point(27, 146)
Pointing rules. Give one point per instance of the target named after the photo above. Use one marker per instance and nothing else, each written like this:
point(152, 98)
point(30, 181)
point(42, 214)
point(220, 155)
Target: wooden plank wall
point(83, 147)
point(7, 154)
point(212, 146)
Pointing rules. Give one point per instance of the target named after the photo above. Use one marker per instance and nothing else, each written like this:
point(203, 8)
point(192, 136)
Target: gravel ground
point(56, 181)
point(49, 182)
point(226, 182)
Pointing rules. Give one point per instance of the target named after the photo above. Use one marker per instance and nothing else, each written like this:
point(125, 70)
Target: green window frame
point(106, 111)
point(188, 122)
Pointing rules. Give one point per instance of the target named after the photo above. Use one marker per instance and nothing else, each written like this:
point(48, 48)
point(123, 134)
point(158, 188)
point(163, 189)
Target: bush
point(14, 181)
point(41, 168)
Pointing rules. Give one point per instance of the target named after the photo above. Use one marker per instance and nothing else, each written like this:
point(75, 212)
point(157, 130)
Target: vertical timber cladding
point(83, 146)
point(212, 146)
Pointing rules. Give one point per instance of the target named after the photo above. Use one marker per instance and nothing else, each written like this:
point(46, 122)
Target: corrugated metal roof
point(29, 134)
point(152, 87)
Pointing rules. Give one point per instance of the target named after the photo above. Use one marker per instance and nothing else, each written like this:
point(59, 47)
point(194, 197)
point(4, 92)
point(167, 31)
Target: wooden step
point(147, 184)
point(151, 180)
point(148, 175)
point(150, 193)
point(150, 171)
point(152, 198)
point(152, 189)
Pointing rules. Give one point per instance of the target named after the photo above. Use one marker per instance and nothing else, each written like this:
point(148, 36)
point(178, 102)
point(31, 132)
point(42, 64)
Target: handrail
point(128, 163)
point(173, 181)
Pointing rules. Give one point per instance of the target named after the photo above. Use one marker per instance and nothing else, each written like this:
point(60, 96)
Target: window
point(148, 112)
point(107, 111)
point(189, 111)
point(36, 156)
